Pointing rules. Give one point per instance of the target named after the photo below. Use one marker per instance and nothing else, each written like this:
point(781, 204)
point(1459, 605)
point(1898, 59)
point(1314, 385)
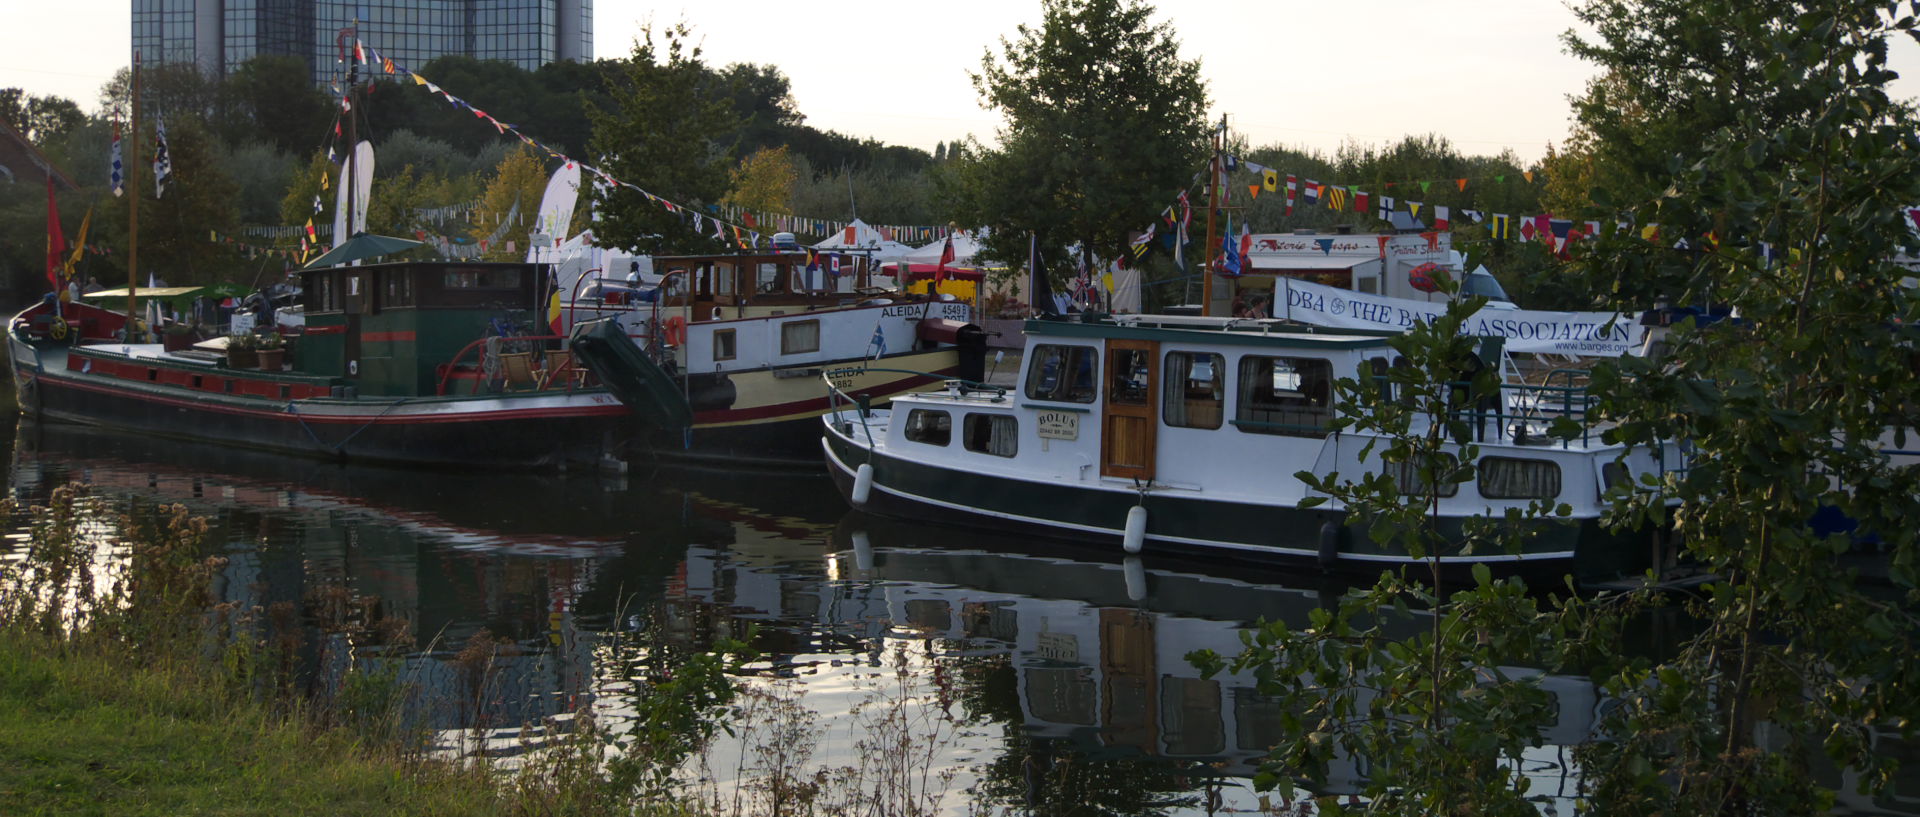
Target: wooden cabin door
point(1128, 418)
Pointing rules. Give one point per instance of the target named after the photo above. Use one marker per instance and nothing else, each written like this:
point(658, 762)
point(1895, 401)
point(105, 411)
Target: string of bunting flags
point(1175, 222)
point(743, 227)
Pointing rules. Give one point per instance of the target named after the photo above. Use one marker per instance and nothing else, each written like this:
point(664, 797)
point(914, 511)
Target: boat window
point(1516, 478)
point(1062, 373)
point(723, 279)
point(1284, 395)
point(1377, 368)
point(996, 434)
point(1406, 476)
point(799, 337)
point(767, 279)
point(1196, 390)
point(326, 290)
point(482, 278)
point(1612, 474)
point(929, 426)
point(1129, 377)
point(399, 288)
point(723, 346)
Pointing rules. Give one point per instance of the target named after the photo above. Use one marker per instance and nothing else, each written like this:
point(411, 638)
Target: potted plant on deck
point(242, 351)
point(177, 337)
point(272, 351)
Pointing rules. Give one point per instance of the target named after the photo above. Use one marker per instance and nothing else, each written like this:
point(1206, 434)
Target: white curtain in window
point(1179, 368)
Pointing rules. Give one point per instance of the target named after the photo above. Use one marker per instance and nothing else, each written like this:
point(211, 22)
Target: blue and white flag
point(878, 346)
point(162, 160)
point(119, 177)
point(1230, 252)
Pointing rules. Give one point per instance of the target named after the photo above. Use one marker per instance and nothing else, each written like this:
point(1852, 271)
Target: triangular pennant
point(1462, 184)
point(1253, 191)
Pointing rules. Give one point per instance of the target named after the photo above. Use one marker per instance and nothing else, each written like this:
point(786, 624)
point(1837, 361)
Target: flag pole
point(1213, 204)
point(133, 204)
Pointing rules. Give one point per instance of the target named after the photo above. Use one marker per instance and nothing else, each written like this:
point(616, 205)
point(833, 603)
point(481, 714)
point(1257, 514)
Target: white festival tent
point(964, 249)
point(863, 236)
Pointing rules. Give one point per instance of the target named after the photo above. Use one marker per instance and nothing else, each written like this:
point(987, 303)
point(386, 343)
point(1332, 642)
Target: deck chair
point(516, 369)
point(560, 371)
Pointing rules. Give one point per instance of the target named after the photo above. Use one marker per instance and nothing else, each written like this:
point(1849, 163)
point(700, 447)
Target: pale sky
point(1486, 74)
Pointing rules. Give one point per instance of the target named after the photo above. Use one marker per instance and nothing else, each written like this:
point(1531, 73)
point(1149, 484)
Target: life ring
point(674, 330)
point(58, 329)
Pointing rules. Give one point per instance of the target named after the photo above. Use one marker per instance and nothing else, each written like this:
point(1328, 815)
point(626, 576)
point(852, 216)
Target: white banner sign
point(1598, 334)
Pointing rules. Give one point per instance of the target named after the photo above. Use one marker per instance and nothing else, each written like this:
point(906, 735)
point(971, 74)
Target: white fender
point(862, 483)
point(1136, 534)
point(862, 549)
point(1136, 574)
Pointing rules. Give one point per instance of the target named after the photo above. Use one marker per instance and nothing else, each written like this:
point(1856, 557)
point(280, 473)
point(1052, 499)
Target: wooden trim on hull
point(786, 434)
point(1241, 531)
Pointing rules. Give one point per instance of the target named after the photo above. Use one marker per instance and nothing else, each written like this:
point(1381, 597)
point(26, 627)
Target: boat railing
point(1522, 412)
point(839, 402)
point(486, 364)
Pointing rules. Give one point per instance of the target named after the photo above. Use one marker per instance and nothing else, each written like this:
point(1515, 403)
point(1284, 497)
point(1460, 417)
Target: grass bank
point(92, 729)
point(125, 690)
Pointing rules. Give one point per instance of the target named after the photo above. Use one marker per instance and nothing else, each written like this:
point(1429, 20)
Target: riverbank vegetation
point(1762, 174)
point(126, 689)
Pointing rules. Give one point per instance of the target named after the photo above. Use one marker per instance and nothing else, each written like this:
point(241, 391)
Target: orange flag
point(1462, 184)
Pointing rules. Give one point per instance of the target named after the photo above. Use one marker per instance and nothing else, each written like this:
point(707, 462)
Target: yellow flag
point(1270, 179)
point(417, 79)
point(79, 242)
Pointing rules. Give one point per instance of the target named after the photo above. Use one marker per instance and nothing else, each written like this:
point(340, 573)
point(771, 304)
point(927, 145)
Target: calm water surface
point(1019, 677)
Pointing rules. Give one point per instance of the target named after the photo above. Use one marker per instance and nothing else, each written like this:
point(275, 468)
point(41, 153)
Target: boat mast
point(1213, 204)
point(350, 168)
point(133, 203)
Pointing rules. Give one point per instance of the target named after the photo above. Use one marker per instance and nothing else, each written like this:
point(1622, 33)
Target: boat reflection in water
point(1059, 675)
point(1088, 654)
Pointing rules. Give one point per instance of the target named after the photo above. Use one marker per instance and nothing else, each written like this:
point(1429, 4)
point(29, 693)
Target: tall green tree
point(662, 133)
point(1104, 123)
point(272, 99)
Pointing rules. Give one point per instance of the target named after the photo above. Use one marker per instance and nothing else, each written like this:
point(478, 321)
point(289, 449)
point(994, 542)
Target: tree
point(39, 118)
point(1104, 123)
point(1789, 665)
point(178, 89)
point(764, 181)
point(271, 98)
point(1774, 126)
point(762, 97)
point(510, 204)
point(175, 244)
point(662, 134)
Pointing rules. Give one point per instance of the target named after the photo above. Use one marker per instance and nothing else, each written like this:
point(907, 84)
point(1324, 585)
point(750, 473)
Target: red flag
point(940, 272)
point(56, 240)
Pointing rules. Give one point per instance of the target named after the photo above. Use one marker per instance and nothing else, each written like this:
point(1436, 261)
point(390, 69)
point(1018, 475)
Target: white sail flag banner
point(1594, 334)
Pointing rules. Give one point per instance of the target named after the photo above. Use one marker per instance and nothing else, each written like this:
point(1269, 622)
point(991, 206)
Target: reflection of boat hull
point(547, 429)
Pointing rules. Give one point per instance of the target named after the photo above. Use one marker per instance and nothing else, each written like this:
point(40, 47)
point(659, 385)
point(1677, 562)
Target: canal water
point(960, 673)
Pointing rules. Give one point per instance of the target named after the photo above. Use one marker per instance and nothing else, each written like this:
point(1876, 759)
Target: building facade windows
point(527, 33)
